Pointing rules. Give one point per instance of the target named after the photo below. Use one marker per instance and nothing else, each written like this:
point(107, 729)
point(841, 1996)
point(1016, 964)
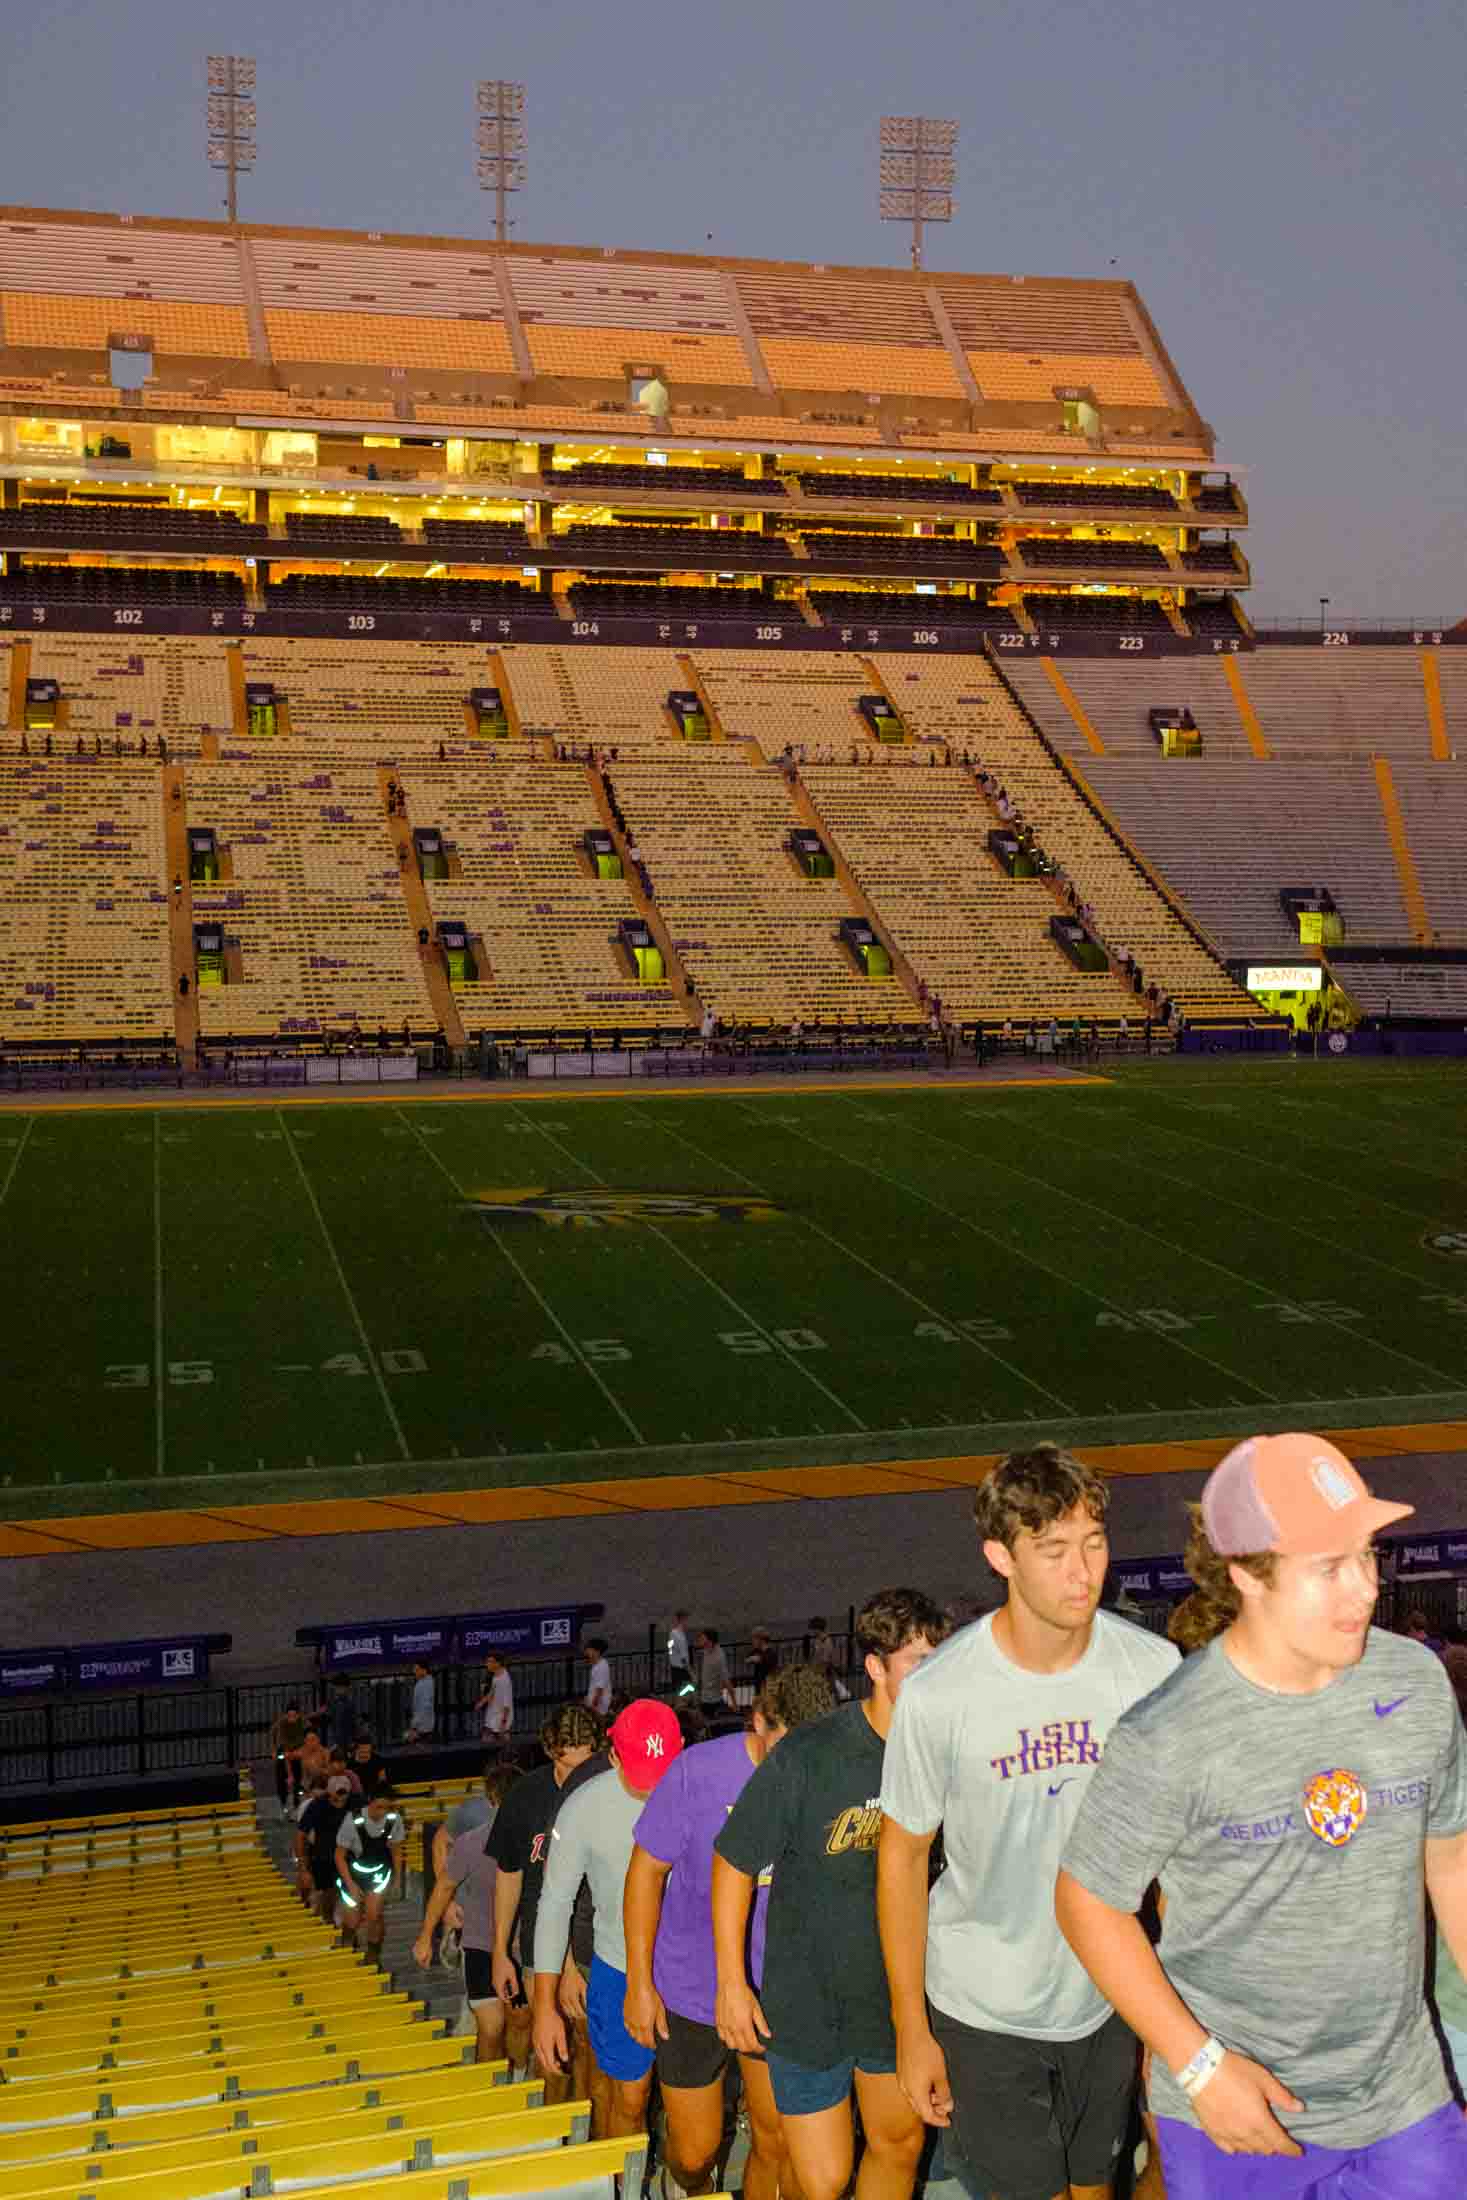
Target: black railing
point(66, 1742)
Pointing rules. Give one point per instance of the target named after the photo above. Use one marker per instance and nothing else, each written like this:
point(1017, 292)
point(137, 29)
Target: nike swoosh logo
point(1063, 1784)
point(1384, 1710)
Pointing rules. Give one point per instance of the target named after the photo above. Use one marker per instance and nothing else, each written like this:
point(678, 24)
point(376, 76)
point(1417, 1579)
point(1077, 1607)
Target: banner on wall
point(170, 1660)
point(1149, 1580)
point(356, 1645)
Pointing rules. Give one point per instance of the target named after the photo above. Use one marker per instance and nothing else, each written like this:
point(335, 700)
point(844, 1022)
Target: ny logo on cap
point(1335, 1488)
point(656, 1747)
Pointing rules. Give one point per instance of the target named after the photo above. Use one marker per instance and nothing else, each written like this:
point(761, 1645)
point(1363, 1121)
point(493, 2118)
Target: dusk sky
point(1283, 180)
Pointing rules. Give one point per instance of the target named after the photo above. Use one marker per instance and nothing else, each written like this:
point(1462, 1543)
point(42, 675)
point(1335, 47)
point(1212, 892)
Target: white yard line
point(793, 1358)
point(346, 1290)
point(536, 1294)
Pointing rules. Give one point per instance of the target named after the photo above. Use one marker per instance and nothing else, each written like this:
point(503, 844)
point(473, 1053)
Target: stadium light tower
point(501, 165)
point(917, 171)
point(231, 113)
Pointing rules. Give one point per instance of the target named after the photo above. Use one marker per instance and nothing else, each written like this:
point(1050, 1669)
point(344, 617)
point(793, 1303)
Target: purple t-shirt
point(683, 1817)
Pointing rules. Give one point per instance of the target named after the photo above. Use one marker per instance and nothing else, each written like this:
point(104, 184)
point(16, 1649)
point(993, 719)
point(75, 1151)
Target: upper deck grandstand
point(379, 545)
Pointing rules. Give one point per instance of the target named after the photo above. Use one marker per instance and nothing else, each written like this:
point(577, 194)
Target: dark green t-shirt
point(811, 1814)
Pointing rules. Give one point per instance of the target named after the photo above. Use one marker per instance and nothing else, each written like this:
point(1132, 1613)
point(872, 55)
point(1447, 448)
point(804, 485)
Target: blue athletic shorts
point(616, 2052)
point(801, 2091)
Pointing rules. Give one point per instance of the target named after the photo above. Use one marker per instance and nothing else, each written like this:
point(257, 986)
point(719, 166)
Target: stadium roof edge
point(920, 278)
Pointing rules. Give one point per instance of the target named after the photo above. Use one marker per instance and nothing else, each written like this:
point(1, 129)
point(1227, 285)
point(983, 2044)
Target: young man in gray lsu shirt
point(996, 1739)
point(1297, 1789)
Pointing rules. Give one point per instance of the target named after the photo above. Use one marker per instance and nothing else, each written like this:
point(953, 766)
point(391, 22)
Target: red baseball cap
point(1290, 1494)
point(646, 1738)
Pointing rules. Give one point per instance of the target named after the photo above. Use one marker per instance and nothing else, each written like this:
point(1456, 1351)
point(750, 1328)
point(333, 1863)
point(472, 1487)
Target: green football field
point(306, 1299)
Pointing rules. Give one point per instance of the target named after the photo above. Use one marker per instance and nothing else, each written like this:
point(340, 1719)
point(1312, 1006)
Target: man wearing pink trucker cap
point(1297, 1789)
point(592, 1839)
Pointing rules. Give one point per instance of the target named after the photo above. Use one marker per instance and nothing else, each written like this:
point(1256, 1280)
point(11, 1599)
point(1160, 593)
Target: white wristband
point(1193, 2076)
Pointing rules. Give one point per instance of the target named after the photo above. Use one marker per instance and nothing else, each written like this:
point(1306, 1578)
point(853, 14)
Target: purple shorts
point(1427, 2161)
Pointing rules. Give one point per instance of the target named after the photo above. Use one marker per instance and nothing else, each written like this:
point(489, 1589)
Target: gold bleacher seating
point(756, 937)
point(315, 899)
point(966, 704)
point(800, 696)
point(369, 698)
point(130, 685)
point(390, 339)
point(49, 320)
point(841, 363)
point(546, 924)
point(916, 841)
point(686, 355)
point(1007, 375)
point(603, 698)
point(162, 2047)
point(84, 947)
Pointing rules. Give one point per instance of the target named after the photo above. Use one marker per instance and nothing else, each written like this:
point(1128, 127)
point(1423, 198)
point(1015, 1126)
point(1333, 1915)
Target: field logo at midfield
point(1451, 1242)
point(603, 1210)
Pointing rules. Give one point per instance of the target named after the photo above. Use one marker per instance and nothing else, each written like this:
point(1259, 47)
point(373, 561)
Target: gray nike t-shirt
point(1000, 1757)
point(1288, 1836)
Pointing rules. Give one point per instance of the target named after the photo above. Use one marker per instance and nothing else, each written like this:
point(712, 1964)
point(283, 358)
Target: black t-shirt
point(318, 1823)
point(519, 1841)
point(371, 1771)
point(812, 1813)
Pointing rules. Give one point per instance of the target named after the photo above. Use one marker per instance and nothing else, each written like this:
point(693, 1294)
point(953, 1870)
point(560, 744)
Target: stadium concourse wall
point(995, 633)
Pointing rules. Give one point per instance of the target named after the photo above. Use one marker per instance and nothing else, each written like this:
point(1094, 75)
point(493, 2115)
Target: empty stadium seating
point(798, 698)
point(967, 705)
point(157, 2046)
point(593, 477)
point(839, 606)
point(120, 585)
point(897, 489)
point(1105, 495)
point(84, 949)
point(369, 698)
point(314, 902)
point(1090, 554)
point(1108, 614)
point(622, 600)
point(1228, 834)
point(757, 938)
point(594, 697)
point(848, 553)
point(1405, 989)
point(1310, 704)
point(547, 926)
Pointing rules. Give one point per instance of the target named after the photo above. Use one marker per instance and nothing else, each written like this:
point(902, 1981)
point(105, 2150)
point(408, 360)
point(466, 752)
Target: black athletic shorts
point(692, 2055)
point(478, 1981)
point(1032, 2117)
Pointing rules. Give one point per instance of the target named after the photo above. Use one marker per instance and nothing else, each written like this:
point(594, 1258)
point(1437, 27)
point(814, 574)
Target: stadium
point(705, 1046)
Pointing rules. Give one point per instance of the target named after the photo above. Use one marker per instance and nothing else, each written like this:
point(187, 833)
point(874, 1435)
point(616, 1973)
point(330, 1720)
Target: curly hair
point(1216, 1601)
point(795, 1694)
point(1031, 1490)
point(892, 1618)
point(572, 1726)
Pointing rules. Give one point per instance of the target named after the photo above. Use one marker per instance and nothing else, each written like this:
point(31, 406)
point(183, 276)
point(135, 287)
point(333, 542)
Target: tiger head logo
point(1334, 1807)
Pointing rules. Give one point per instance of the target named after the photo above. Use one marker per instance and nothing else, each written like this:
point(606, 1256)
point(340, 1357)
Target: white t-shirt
point(498, 1716)
point(1000, 1758)
point(598, 1694)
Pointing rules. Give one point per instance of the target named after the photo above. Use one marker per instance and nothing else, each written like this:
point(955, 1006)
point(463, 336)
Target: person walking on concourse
point(1297, 1789)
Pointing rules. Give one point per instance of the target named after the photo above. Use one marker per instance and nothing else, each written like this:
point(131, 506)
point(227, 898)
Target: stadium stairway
point(646, 908)
point(173, 794)
point(860, 902)
point(419, 915)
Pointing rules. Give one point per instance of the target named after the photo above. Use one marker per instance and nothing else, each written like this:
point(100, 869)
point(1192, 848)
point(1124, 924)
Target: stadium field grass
point(304, 1301)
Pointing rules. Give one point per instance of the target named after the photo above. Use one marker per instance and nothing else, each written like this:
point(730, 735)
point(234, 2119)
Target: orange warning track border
point(635, 1494)
point(548, 1088)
